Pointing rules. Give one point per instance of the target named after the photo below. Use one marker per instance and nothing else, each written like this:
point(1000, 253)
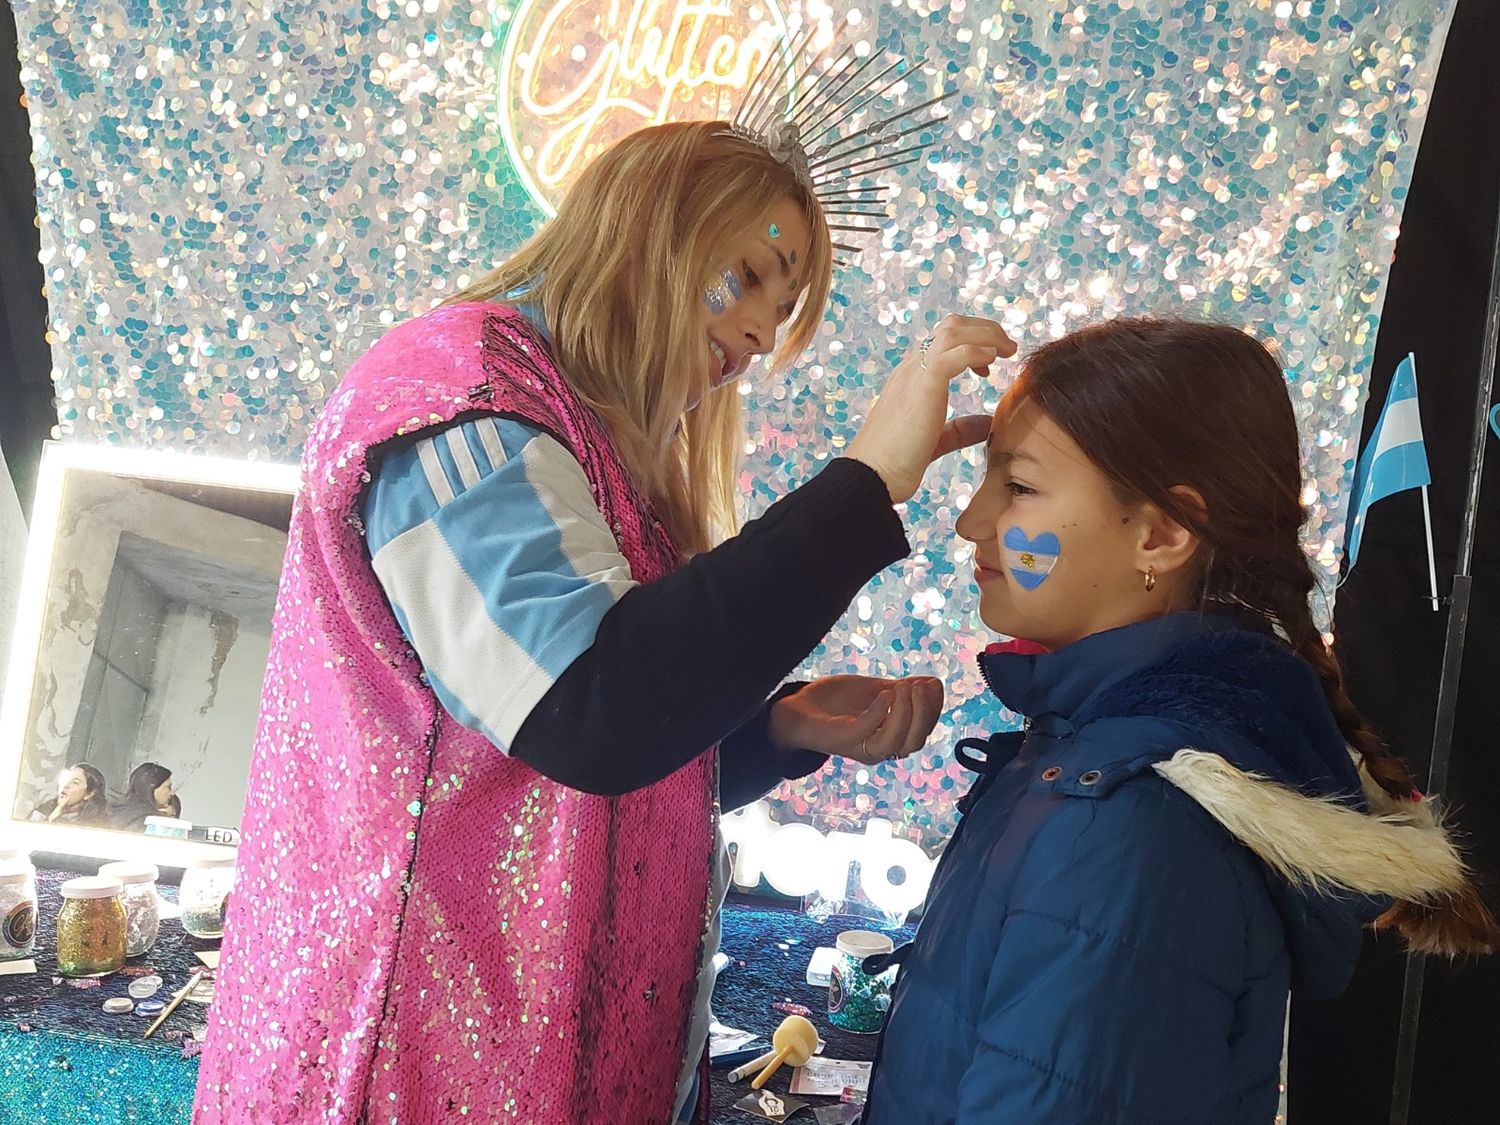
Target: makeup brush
point(795, 1041)
point(198, 974)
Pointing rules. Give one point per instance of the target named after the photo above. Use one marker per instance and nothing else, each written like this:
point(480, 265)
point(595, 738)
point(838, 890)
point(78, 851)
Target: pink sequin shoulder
point(423, 929)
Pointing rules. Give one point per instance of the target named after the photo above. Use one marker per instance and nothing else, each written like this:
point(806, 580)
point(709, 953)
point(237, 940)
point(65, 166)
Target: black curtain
point(1342, 1056)
point(27, 413)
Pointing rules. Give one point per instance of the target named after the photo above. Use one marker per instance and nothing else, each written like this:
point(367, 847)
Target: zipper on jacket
point(976, 791)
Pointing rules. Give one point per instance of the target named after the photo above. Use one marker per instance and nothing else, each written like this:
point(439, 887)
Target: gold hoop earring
point(1150, 579)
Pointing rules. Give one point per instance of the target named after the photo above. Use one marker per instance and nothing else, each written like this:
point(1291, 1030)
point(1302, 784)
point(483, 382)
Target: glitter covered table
point(63, 1059)
point(769, 947)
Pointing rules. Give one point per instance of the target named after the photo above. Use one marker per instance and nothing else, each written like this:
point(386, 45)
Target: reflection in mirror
point(132, 705)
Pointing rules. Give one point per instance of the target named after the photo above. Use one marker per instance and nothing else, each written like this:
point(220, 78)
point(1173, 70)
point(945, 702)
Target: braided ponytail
point(1452, 924)
point(1285, 602)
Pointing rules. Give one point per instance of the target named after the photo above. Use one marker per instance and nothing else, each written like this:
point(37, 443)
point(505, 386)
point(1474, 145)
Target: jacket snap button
point(1090, 778)
point(1051, 773)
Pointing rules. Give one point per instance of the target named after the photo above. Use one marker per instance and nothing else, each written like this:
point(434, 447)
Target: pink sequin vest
point(422, 927)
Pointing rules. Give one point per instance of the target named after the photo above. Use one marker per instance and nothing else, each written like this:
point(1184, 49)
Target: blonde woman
point(518, 668)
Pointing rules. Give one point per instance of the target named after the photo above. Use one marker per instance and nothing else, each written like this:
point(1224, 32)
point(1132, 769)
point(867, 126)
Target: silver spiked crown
point(798, 113)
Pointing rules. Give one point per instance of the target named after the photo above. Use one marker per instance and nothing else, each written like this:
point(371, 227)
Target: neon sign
point(799, 860)
point(576, 75)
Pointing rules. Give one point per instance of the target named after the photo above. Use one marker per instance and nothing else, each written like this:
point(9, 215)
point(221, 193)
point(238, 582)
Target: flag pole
point(1427, 510)
point(1431, 560)
point(1453, 655)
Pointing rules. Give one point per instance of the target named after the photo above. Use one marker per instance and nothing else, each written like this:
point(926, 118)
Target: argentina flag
point(1395, 457)
point(1030, 560)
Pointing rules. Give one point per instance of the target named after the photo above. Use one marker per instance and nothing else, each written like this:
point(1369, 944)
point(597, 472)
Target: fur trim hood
point(1397, 849)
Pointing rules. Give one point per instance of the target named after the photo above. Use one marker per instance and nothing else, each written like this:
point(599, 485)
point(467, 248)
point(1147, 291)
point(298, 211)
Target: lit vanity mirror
point(139, 651)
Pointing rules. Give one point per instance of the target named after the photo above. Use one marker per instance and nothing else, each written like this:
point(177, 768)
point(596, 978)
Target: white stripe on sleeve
point(437, 480)
point(468, 468)
point(489, 437)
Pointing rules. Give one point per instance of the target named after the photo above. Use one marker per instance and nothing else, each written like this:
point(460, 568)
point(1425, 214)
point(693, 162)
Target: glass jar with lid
point(17, 908)
point(21, 857)
point(142, 916)
point(13, 854)
point(858, 1001)
point(91, 928)
point(204, 894)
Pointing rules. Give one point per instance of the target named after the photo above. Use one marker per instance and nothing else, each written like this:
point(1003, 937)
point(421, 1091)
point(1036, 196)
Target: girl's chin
point(996, 611)
point(999, 616)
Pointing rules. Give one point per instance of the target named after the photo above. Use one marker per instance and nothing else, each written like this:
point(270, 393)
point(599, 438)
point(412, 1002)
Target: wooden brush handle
point(765, 1076)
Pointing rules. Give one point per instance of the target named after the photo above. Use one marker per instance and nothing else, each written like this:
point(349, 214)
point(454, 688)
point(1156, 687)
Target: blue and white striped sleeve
point(497, 562)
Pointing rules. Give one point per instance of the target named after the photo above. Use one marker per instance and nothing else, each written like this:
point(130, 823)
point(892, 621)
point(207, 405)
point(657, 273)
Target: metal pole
point(1453, 655)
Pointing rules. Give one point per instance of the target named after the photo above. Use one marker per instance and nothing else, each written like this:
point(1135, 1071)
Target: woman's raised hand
point(905, 429)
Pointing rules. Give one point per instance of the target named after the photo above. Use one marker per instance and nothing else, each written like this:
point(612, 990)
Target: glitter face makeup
point(725, 291)
point(1030, 560)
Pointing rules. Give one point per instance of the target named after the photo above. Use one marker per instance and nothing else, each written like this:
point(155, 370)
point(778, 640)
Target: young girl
point(1195, 819)
point(480, 874)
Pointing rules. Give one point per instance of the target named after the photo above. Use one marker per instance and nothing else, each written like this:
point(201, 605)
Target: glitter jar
point(858, 1001)
point(91, 928)
point(142, 918)
point(17, 909)
point(205, 893)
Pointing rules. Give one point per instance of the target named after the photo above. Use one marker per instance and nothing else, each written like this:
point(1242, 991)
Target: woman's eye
point(1017, 489)
point(751, 277)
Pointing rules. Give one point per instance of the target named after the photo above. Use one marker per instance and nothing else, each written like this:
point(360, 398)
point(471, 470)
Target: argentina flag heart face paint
point(1030, 560)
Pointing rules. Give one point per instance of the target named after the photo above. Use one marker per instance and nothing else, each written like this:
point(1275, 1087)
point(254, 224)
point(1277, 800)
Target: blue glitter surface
point(67, 1079)
point(235, 200)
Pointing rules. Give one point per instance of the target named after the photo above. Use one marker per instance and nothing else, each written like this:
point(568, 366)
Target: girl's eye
point(1017, 489)
point(752, 278)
